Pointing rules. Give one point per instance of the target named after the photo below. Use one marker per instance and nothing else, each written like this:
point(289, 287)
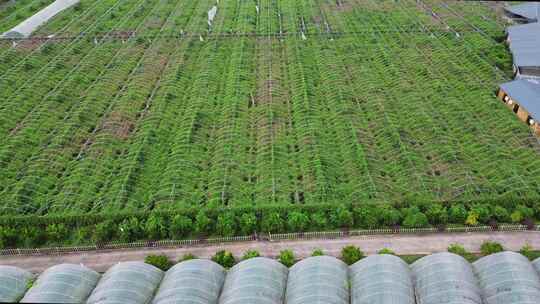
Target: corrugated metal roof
point(526, 10)
point(527, 93)
point(525, 44)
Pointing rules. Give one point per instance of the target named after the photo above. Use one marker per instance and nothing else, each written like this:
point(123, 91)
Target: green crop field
point(140, 105)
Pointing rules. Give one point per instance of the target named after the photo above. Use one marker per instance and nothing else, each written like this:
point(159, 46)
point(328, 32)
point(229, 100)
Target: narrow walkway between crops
point(401, 244)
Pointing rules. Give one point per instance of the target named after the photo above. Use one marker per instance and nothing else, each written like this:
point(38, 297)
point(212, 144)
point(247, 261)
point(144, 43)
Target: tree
point(341, 217)
point(483, 211)
point(317, 252)
point(56, 232)
point(226, 224)
point(366, 217)
point(130, 230)
point(437, 214)
point(297, 221)
point(520, 213)
point(224, 258)
point(414, 218)
point(181, 226)
point(272, 222)
point(490, 247)
point(351, 254)
point(251, 253)
point(202, 223)
point(457, 214)
point(160, 261)
point(155, 227)
point(387, 216)
point(501, 214)
point(286, 257)
point(9, 237)
point(319, 221)
point(104, 232)
point(248, 223)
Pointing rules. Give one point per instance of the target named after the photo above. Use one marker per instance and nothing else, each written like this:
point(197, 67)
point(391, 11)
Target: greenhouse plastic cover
point(508, 277)
point(445, 278)
point(526, 10)
point(13, 283)
point(321, 279)
point(255, 281)
point(129, 282)
point(64, 283)
point(381, 279)
point(191, 282)
point(28, 26)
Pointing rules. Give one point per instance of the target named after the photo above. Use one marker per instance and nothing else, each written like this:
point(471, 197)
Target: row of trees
point(246, 221)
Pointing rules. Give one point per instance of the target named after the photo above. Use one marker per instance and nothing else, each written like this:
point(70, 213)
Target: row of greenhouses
point(500, 278)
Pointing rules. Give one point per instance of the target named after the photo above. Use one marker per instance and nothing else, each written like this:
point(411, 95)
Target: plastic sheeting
point(321, 279)
point(445, 278)
point(507, 277)
point(64, 283)
point(130, 282)
point(13, 283)
point(28, 26)
point(381, 279)
point(191, 282)
point(255, 281)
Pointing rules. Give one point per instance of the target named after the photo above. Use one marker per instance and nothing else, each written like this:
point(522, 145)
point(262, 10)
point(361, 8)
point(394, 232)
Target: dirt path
point(401, 244)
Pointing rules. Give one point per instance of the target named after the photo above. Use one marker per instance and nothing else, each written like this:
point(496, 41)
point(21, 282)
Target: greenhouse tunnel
point(381, 279)
point(64, 283)
point(445, 278)
point(322, 279)
point(13, 283)
point(507, 277)
point(255, 281)
point(191, 282)
point(129, 282)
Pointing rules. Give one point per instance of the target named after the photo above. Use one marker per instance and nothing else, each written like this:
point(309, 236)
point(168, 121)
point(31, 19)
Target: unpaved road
point(401, 244)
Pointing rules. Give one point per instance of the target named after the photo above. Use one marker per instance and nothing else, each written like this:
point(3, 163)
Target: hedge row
point(36, 231)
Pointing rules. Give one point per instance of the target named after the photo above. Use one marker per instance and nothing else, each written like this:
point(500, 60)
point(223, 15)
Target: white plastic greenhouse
point(129, 282)
point(191, 282)
point(13, 283)
point(507, 277)
point(381, 279)
point(255, 281)
point(64, 283)
point(445, 278)
point(321, 279)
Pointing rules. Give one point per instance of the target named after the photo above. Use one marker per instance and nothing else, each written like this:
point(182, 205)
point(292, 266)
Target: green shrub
point(130, 230)
point(160, 261)
point(490, 247)
point(437, 214)
point(297, 221)
point(286, 257)
point(457, 214)
point(414, 218)
point(529, 252)
point(203, 224)
point(104, 232)
point(386, 251)
point(226, 224)
point(387, 216)
point(250, 254)
point(461, 251)
point(224, 258)
point(351, 254)
point(9, 237)
point(187, 257)
point(155, 227)
point(317, 252)
point(248, 223)
point(501, 214)
point(319, 221)
point(366, 217)
point(181, 226)
point(56, 232)
point(341, 217)
point(272, 222)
